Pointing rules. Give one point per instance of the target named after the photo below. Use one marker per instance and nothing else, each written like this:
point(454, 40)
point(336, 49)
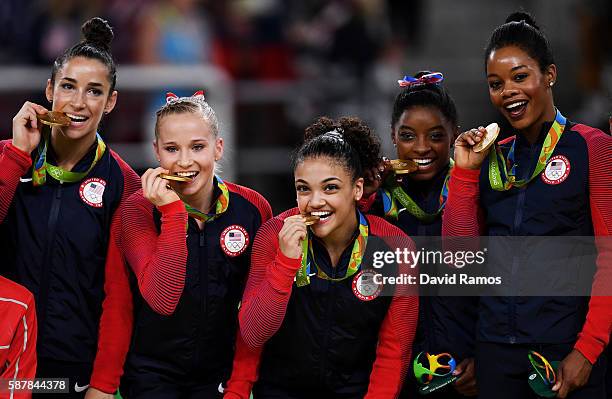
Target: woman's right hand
point(465, 157)
point(291, 235)
point(155, 189)
point(26, 128)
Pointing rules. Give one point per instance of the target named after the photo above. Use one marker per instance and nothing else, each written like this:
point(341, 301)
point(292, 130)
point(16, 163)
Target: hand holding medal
point(27, 128)
point(572, 373)
point(471, 146)
point(155, 188)
point(293, 232)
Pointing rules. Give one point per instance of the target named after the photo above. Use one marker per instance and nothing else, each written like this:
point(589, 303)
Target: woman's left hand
point(93, 393)
point(573, 373)
point(466, 383)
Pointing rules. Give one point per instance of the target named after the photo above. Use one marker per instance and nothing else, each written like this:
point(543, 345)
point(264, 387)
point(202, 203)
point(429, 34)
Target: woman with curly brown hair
point(321, 330)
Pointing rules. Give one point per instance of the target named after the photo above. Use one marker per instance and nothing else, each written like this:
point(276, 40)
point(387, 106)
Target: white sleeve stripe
point(14, 301)
point(25, 334)
point(25, 342)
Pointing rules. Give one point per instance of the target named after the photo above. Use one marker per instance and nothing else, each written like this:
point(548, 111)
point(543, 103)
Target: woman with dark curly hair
point(311, 305)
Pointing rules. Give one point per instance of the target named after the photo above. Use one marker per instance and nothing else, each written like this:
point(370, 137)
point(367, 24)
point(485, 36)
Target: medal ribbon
point(397, 194)
point(39, 173)
point(220, 205)
point(508, 180)
point(302, 277)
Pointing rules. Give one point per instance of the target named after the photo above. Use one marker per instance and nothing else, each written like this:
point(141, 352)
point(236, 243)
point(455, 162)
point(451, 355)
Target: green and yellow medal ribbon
point(221, 204)
point(302, 277)
point(508, 180)
point(42, 167)
point(393, 193)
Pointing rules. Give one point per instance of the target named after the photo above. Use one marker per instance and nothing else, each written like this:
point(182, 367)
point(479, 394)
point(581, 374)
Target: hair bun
point(98, 32)
point(520, 16)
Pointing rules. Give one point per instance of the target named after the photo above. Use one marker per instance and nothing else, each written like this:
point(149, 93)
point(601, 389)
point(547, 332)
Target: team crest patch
point(364, 286)
point(557, 170)
point(92, 191)
point(234, 240)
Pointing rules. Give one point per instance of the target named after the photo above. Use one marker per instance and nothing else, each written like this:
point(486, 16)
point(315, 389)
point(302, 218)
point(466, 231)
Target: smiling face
point(519, 88)
point(326, 189)
point(81, 89)
point(187, 146)
point(424, 135)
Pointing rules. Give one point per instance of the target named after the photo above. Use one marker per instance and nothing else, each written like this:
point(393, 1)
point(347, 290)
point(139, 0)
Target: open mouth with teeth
point(321, 216)
point(77, 118)
point(423, 163)
point(516, 109)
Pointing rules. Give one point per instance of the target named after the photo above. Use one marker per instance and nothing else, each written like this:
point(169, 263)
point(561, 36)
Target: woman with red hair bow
point(186, 236)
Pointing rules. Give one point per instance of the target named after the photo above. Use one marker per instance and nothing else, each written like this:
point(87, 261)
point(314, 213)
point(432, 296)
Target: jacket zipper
point(203, 300)
point(332, 288)
point(46, 260)
point(518, 217)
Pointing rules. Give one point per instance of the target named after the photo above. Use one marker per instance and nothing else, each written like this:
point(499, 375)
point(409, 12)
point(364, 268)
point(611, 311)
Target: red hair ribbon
point(171, 97)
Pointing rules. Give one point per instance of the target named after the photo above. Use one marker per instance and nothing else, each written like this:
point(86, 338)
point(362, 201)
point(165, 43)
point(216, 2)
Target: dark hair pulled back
point(348, 141)
point(96, 44)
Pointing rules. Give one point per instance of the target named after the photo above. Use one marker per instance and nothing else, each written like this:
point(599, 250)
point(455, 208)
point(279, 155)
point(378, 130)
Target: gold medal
point(403, 166)
point(310, 220)
point(175, 177)
point(54, 118)
point(488, 139)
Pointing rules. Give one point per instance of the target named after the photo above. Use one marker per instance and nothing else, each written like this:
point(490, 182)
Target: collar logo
point(91, 191)
point(557, 170)
point(234, 240)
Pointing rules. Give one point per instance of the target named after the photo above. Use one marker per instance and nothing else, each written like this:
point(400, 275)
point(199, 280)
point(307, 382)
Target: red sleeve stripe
point(268, 287)
point(460, 216)
point(14, 164)
point(160, 273)
point(599, 147)
point(130, 178)
point(595, 333)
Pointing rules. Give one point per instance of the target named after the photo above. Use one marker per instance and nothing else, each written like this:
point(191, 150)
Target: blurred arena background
point(270, 67)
